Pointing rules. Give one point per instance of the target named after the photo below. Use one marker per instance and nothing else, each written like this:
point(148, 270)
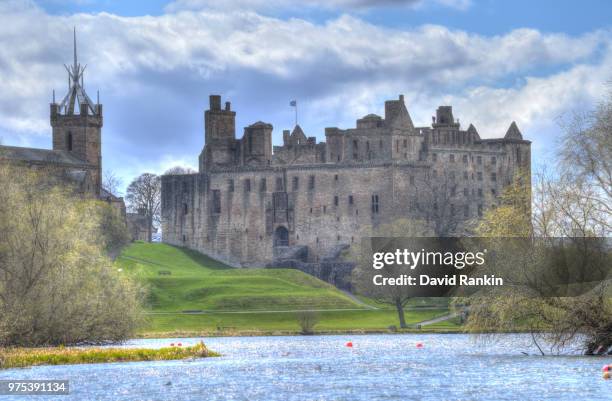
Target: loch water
point(377, 367)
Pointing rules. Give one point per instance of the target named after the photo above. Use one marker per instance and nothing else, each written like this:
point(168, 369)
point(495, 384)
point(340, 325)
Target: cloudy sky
point(155, 64)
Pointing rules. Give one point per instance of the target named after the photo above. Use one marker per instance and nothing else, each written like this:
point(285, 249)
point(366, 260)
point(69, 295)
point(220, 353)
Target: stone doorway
point(281, 236)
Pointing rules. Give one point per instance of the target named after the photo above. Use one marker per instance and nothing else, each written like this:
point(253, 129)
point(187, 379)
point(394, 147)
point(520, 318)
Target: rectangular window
point(479, 210)
point(466, 211)
point(434, 157)
point(296, 183)
point(452, 175)
point(493, 176)
point(479, 159)
point(311, 182)
point(230, 186)
point(216, 201)
point(465, 192)
point(493, 191)
point(350, 200)
point(279, 184)
point(452, 209)
point(493, 160)
point(465, 175)
point(453, 191)
point(336, 177)
point(411, 180)
point(405, 143)
point(452, 158)
point(465, 159)
point(336, 200)
point(480, 195)
point(375, 204)
point(247, 185)
point(263, 185)
point(185, 209)
point(479, 175)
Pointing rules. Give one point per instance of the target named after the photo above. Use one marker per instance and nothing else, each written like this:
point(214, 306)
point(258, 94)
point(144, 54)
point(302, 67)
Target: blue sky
point(156, 62)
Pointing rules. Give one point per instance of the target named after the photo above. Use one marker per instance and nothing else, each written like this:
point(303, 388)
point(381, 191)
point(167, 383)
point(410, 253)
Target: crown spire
point(75, 50)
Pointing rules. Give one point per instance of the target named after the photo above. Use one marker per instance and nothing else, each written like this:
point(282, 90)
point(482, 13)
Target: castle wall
point(314, 198)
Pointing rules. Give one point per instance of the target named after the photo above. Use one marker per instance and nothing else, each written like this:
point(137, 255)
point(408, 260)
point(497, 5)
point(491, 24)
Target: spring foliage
point(57, 286)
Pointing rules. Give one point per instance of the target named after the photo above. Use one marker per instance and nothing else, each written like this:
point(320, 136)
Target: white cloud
point(155, 74)
point(341, 5)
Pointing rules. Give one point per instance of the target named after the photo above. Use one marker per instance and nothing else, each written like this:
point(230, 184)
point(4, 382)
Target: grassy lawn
point(180, 280)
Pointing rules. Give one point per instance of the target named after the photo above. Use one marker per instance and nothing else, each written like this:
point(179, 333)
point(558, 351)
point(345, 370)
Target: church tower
point(77, 122)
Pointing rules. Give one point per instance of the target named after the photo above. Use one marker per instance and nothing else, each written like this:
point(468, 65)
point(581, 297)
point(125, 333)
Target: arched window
point(69, 141)
point(281, 236)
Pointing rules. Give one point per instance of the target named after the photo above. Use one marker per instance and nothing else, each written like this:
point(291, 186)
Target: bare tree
point(398, 296)
point(111, 182)
point(144, 197)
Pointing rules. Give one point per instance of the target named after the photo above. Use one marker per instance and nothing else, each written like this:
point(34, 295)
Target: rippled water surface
point(378, 367)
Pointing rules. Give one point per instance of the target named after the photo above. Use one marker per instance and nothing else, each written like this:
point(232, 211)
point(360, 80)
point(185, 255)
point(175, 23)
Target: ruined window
point(375, 204)
point(338, 157)
point(337, 237)
point(355, 149)
point(452, 209)
point(296, 183)
point(480, 195)
point(336, 177)
point(479, 159)
point(310, 210)
point(368, 146)
point(263, 185)
point(452, 175)
point(465, 192)
point(465, 159)
point(397, 145)
point(453, 191)
point(324, 209)
point(184, 186)
point(230, 185)
point(493, 160)
point(350, 199)
point(465, 175)
point(493, 176)
point(380, 144)
point(336, 200)
point(479, 210)
point(435, 206)
point(518, 155)
point(434, 157)
point(247, 185)
point(185, 209)
point(311, 182)
point(69, 141)
point(184, 238)
point(405, 143)
point(452, 158)
point(216, 201)
point(493, 191)
point(434, 173)
point(411, 180)
point(479, 175)
point(466, 211)
point(279, 183)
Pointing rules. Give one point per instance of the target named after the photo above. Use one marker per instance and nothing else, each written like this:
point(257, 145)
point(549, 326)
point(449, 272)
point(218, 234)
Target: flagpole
point(296, 113)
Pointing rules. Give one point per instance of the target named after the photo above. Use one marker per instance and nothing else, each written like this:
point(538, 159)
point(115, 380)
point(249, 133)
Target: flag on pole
point(293, 103)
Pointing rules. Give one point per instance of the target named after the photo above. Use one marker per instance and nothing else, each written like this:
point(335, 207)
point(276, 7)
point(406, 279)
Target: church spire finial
point(75, 51)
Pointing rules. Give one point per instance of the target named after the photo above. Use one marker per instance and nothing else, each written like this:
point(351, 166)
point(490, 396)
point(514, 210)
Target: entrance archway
point(281, 236)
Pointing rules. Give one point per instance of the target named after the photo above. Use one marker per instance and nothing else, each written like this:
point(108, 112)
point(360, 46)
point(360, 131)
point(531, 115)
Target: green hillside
point(182, 280)
point(191, 294)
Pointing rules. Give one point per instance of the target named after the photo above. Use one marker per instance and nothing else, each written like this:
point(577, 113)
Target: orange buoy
point(349, 344)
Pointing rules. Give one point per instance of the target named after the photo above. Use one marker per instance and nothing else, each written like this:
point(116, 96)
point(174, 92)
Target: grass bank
point(191, 293)
point(24, 357)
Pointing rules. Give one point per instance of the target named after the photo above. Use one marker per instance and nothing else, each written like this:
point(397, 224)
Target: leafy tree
point(57, 286)
point(573, 202)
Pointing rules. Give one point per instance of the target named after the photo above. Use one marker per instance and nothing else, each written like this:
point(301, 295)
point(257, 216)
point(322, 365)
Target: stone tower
point(220, 147)
point(77, 122)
